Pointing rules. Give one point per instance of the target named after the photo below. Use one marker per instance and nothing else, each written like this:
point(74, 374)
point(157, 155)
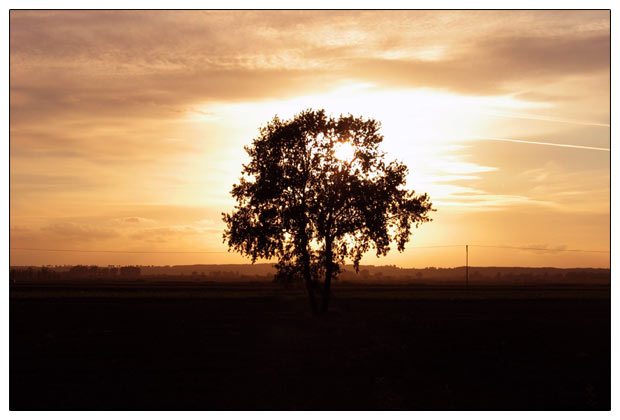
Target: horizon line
point(361, 265)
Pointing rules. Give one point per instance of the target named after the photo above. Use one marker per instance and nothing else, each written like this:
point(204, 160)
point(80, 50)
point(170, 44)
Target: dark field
point(256, 347)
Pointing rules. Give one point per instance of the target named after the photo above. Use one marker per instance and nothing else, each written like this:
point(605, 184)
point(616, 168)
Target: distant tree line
point(478, 275)
point(50, 274)
point(368, 274)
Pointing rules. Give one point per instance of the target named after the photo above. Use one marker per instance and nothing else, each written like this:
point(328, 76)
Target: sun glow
point(426, 129)
point(344, 151)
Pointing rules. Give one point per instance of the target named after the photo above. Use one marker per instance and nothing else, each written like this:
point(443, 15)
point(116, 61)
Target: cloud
point(492, 66)
point(79, 232)
point(165, 234)
point(19, 234)
point(136, 220)
point(118, 227)
point(468, 199)
point(152, 64)
point(545, 248)
point(566, 179)
point(40, 183)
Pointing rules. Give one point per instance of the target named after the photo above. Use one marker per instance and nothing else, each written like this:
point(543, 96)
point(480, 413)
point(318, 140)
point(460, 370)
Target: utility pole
point(467, 266)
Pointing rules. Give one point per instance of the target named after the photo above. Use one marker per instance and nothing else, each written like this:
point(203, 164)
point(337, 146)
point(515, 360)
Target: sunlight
point(344, 151)
point(424, 128)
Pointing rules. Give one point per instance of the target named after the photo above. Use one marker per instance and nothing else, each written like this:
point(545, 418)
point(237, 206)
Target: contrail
point(572, 146)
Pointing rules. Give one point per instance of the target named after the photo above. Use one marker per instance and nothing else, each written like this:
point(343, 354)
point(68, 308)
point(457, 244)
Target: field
point(257, 347)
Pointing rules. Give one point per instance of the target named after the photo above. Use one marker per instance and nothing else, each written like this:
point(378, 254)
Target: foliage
point(301, 203)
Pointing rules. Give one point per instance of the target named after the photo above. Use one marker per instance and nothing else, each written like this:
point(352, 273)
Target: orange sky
point(127, 128)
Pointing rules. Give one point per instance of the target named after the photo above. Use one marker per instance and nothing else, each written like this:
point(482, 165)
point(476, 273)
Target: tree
point(300, 201)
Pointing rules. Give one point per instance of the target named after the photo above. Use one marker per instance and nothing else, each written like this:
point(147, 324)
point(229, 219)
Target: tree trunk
point(305, 259)
point(328, 276)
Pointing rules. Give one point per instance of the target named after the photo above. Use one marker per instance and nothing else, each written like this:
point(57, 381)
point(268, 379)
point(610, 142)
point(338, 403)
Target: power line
point(225, 252)
point(541, 249)
point(438, 246)
point(120, 252)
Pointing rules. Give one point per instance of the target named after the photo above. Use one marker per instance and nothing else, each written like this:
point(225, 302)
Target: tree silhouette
point(300, 202)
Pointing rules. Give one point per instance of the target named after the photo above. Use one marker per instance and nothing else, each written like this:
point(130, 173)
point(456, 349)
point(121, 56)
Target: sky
point(127, 127)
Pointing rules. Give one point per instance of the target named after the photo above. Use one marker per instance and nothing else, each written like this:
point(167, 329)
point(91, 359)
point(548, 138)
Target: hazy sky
point(127, 128)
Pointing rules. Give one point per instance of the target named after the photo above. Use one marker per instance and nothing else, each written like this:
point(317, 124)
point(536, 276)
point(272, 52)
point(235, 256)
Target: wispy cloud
point(79, 232)
point(544, 118)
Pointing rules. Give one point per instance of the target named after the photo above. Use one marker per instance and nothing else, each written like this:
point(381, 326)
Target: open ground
point(239, 347)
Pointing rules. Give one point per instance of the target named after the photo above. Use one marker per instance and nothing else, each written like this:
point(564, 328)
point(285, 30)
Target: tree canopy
point(300, 201)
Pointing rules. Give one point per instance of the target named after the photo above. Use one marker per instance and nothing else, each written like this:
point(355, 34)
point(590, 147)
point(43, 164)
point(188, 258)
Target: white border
point(319, 4)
